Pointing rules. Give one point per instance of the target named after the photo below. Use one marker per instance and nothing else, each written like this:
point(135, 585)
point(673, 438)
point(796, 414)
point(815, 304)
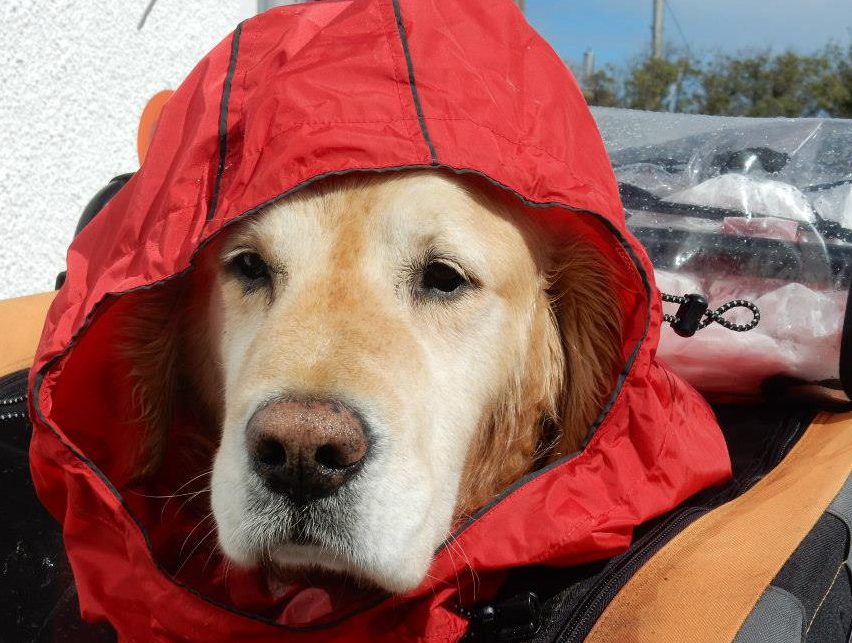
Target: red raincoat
point(293, 95)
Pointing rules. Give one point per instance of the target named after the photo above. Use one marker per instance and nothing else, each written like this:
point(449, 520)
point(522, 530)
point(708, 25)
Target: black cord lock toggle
point(517, 618)
point(693, 314)
point(688, 317)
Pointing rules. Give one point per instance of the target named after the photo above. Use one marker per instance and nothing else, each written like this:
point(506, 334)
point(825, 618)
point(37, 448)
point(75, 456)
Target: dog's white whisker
point(194, 549)
point(164, 496)
point(473, 573)
point(206, 472)
point(197, 525)
point(213, 550)
point(449, 550)
point(191, 497)
point(432, 584)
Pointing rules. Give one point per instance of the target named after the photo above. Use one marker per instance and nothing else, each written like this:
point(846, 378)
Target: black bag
point(811, 597)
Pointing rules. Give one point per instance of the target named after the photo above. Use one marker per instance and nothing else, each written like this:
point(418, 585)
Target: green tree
point(648, 83)
point(654, 84)
point(746, 84)
point(601, 89)
point(764, 84)
point(833, 90)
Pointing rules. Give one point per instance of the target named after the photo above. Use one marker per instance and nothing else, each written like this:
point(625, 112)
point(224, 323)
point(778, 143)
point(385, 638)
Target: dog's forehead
point(415, 211)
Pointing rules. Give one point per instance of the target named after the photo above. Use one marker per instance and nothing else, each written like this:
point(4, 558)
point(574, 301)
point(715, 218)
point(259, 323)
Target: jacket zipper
point(600, 595)
point(12, 401)
point(586, 614)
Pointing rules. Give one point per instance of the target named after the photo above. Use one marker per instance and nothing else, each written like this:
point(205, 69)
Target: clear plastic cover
point(737, 208)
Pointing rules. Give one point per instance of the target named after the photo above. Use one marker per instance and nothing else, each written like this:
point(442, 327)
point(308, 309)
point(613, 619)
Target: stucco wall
point(75, 76)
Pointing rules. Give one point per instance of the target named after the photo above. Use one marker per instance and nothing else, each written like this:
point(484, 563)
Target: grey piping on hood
point(223, 119)
point(411, 84)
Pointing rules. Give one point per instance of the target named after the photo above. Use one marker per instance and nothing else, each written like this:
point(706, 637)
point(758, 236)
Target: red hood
point(295, 94)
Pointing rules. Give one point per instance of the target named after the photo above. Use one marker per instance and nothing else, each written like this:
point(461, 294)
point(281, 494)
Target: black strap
point(506, 620)
point(846, 347)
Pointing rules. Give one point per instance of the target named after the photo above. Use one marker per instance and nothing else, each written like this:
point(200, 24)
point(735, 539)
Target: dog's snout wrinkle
point(307, 449)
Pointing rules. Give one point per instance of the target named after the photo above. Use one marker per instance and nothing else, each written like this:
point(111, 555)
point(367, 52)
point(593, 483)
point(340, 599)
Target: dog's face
point(390, 356)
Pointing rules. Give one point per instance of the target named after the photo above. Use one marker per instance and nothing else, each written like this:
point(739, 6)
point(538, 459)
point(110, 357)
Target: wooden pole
point(657, 30)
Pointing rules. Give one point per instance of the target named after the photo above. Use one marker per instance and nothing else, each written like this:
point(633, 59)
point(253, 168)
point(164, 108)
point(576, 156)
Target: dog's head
point(379, 356)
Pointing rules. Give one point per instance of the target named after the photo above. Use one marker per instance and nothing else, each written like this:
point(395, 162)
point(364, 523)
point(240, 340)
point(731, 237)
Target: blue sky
point(619, 29)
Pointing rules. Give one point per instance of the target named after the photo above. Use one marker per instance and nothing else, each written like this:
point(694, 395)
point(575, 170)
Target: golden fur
point(328, 324)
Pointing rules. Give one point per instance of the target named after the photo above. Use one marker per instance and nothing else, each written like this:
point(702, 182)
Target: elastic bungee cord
point(693, 314)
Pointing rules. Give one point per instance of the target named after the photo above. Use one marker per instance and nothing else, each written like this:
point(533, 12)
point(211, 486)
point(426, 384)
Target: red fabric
point(317, 88)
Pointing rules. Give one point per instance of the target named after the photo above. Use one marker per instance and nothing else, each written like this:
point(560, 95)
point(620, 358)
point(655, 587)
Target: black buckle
point(689, 315)
point(504, 621)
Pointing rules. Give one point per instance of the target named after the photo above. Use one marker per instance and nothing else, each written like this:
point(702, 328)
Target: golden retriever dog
point(372, 359)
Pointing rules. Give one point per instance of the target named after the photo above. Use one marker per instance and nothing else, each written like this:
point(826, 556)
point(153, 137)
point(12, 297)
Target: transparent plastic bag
point(755, 209)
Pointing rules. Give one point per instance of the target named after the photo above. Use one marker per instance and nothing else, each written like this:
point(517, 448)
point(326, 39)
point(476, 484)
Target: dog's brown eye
point(251, 268)
point(442, 277)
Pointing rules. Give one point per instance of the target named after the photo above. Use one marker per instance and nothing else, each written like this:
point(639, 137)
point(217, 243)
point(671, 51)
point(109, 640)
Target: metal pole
point(657, 29)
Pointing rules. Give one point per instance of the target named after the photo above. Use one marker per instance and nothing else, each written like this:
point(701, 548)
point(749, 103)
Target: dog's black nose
point(306, 449)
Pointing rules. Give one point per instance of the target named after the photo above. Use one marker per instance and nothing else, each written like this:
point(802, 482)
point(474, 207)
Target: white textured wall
point(74, 77)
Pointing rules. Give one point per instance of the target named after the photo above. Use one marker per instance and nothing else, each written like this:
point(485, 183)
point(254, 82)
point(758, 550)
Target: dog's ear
point(151, 346)
point(585, 314)
point(559, 386)
point(170, 361)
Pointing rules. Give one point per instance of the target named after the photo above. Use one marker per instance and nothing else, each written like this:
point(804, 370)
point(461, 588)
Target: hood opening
point(94, 404)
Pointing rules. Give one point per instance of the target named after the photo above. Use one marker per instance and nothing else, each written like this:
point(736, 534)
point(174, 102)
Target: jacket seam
point(397, 77)
point(412, 84)
point(247, 47)
point(222, 124)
